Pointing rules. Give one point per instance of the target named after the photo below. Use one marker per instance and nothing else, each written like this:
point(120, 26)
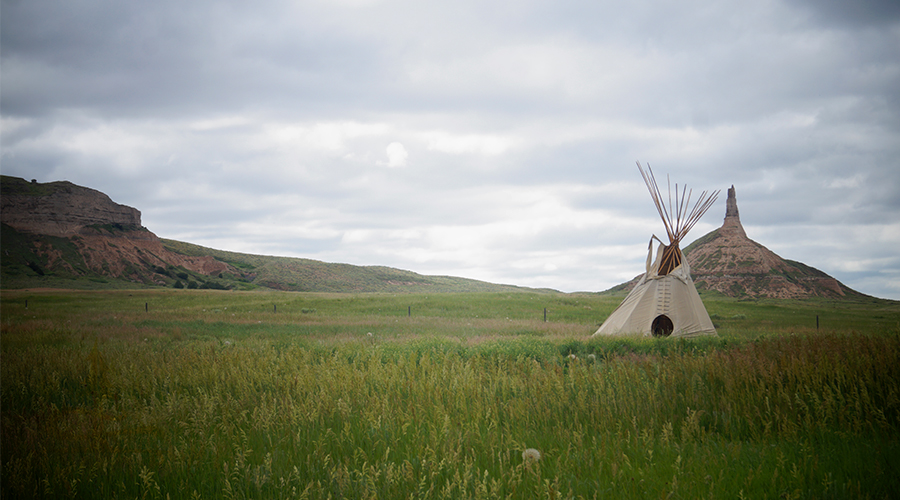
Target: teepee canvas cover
point(665, 301)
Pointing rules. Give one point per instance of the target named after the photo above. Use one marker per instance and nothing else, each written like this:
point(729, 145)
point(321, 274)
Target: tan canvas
point(656, 298)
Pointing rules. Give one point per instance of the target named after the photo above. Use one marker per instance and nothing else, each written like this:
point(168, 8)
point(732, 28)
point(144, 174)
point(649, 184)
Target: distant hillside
point(60, 235)
point(307, 275)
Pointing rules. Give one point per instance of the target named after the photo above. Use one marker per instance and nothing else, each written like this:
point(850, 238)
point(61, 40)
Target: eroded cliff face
point(727, 261)
point(108, 236)
point(60, 208)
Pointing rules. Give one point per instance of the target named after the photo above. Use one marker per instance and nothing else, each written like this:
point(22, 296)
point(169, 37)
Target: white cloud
point(396, 155)
point(851, 182)
point(483, 144)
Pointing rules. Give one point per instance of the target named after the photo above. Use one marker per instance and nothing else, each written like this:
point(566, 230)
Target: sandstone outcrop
point(60, 208)
point(729, 262)
point(107, 237)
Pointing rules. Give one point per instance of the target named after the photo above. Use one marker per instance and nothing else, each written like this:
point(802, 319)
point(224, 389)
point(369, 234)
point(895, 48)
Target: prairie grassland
point(257, 395)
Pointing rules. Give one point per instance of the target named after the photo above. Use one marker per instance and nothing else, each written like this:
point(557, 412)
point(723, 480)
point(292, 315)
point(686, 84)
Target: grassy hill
point(41, 261)
point(60, 235)
point(307, 275)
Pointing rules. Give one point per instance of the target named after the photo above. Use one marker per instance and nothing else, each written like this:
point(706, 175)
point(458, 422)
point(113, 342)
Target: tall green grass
point(102, 399)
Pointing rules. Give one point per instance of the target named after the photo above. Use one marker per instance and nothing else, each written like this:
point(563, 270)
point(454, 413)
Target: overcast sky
point(493, 140)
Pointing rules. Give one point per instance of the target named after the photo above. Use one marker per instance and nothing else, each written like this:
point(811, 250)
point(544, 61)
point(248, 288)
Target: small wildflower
point(369, 334)
point(531, 455)
point(573, 356)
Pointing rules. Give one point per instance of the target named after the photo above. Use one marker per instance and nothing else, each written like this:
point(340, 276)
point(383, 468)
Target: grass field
point(206, 394)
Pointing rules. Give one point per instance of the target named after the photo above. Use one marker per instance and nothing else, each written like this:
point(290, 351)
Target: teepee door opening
point(662, 326)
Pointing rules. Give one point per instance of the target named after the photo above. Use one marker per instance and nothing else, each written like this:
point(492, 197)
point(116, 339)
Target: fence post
point(146, 307)
point(409, 311)
point(545, 315)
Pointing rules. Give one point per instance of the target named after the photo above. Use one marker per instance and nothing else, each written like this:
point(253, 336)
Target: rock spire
point(729, 262)
point(732, 224)
point(731, 209)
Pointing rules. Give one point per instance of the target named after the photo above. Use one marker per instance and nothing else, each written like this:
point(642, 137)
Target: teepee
point(665, 302)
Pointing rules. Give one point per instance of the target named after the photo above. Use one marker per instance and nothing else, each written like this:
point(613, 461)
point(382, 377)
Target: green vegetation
point(40, 261)
point(22, 264)
point(17, 186)
point(213, 394)
point(706, 238)
point(26, 262)
point(114, 228)
point(307, 275)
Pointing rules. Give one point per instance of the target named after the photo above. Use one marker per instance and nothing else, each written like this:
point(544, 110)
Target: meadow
point(214, 394)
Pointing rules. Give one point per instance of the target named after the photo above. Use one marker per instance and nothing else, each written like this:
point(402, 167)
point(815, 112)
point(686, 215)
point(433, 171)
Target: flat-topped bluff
point(60, 208)
point(61, 235)
point(62, 229)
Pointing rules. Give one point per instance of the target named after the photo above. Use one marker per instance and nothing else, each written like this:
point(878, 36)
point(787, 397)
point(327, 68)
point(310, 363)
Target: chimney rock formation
point(729, 262)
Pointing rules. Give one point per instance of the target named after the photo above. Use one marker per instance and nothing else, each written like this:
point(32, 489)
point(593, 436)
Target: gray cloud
point(280, 127)
point(851, 15)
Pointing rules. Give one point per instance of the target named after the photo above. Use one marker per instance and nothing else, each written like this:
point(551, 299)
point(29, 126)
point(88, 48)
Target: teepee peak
point(676, 217)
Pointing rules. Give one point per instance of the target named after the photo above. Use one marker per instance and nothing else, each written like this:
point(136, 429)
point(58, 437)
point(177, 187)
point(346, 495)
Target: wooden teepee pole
point(683, 222)
point(650, 181)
